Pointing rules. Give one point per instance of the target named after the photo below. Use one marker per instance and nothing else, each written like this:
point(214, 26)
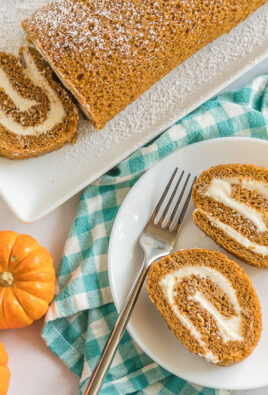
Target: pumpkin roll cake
point(209, 303)
point(36, 113)
point(110, 52)
point(232, 208)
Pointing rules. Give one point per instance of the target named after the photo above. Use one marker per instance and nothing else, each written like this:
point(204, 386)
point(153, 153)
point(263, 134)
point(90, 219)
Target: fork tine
point(184, 209)
point(178, 201)
point(160, 222)
point(164, 194)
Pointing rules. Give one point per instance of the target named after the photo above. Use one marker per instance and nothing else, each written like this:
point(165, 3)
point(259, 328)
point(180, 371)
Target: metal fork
point(156, 241)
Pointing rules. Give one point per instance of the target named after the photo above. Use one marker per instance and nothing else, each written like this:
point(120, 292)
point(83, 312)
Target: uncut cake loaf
point(110, 52)
point(37, 115)
point(209, 303)
point(232, 208)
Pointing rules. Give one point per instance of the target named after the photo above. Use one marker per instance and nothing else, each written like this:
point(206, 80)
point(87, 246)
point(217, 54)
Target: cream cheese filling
point(55, 114)
point(221, 190)
point(228, 327)
point(20, 102)
point(244, 241)
point(252, 185)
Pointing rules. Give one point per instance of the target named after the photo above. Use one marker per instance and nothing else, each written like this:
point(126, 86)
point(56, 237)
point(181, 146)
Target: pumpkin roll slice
point(36, 114)
point(209, 303)
point(232, 208)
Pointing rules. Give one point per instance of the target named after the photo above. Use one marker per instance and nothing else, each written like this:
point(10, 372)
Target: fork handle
point(100, 371)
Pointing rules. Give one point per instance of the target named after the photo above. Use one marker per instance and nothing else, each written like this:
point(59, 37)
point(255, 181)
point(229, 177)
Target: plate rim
point(129, 328)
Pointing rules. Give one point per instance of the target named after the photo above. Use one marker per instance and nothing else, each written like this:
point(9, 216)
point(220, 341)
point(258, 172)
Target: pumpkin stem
point(6, 279)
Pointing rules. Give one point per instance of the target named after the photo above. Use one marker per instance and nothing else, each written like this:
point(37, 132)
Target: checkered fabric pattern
point(83, 314)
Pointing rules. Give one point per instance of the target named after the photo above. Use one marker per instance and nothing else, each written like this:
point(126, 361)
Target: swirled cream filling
point(244, 241)
point(22, 103)
point(56, 111)
point(221, 190)
point(228, 327)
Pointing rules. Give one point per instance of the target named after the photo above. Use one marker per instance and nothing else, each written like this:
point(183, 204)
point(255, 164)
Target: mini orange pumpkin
point(27, 280)
point(4, 371)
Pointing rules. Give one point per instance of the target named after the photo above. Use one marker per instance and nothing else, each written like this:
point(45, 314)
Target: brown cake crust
point(228, 216)
point(109, 53)
point(14, 146)
point(229, 352)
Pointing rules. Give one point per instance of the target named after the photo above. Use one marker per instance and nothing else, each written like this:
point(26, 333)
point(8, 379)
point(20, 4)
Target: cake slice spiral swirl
point(208, 302)
point(232, 208)
point(36, 113)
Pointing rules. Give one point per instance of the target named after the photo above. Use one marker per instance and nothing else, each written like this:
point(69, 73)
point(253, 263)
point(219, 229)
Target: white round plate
point(146, 326)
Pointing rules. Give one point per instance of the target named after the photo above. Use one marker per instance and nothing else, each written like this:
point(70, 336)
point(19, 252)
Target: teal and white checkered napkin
point(83, 313)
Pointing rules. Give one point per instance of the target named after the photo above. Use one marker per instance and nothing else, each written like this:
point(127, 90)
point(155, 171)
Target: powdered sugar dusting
point(85, 31)
point(12, 13)
point(171, 98)
point(94, 21)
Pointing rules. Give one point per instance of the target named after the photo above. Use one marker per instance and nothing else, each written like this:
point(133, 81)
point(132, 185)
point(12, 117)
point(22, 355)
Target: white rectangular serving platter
point(34, 187)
